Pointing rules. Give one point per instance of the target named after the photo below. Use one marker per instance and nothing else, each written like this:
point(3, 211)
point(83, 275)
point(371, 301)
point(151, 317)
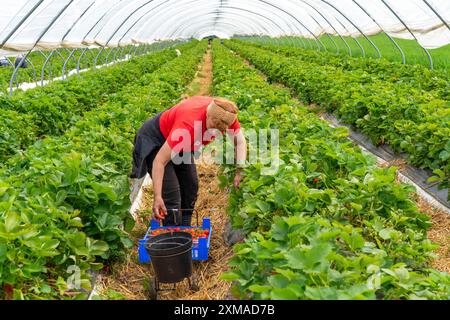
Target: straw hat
point(222, 112)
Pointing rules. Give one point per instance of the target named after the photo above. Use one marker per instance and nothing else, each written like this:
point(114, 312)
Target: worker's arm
point(240, 147)
point(159, 165)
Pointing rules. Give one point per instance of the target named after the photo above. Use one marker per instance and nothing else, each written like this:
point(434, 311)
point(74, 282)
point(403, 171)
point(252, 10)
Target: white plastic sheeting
point(47, 24)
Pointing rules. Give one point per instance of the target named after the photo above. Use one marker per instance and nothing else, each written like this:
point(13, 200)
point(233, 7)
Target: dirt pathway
point(126, 280)
point(201, 86)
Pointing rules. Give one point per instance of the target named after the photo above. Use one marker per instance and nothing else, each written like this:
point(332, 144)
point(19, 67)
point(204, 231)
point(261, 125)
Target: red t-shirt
point(184, 125)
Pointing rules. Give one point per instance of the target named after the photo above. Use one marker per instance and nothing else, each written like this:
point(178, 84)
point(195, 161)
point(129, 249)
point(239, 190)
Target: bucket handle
point(176, 214)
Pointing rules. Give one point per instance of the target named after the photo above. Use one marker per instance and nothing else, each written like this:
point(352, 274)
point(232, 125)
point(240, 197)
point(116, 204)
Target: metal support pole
point(292, 16)
point(111, 53)
point(21, 22)
point(334, 42)
point(320, 27)
point(301, 40)
point(34, 70)
point(118, 28)
point(36, 42)
point(430, 59)
point(363, 52)
point(50, 66)
point(357, 28)
point(90, 30)
point(331, 25)
point(335, 30)
point(10, 62)
point(79, 60)
point(44, 67)
point(379, 26)
point(14, 80)
point(115, 53)
point(65, 63)
point(107, 55)
point(121, 55)
point(95, 61)
point(131, 49)
point(141, 49)
point(135, 50)
point(437, 14)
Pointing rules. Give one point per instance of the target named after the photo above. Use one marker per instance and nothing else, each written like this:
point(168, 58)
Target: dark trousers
point(179, 190)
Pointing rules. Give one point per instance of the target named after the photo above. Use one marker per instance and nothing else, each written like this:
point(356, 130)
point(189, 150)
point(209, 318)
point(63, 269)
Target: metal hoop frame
point(221, 7)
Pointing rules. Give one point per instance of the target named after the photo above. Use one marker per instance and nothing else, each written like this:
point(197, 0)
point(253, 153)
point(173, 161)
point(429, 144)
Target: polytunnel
point(47, 24)
point(224, 150)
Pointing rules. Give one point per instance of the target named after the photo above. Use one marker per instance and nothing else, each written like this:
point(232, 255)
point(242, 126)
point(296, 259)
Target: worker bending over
point(165, 145)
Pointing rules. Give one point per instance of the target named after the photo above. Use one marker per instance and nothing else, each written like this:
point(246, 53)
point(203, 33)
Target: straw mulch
point(439, 233)
point(399, 163)
point(201, 85)
point(128, 278)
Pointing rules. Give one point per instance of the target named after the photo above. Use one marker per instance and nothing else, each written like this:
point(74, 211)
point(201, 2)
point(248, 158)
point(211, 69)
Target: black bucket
point(171, 256)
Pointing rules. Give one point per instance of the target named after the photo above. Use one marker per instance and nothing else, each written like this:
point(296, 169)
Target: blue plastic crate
point(199, 252)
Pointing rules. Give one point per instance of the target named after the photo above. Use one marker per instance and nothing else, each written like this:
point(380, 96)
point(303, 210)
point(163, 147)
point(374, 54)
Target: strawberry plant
point(410, 115)
point(416, 76)
point(64, 201)
point(53, 68)
point(328, 224)
point(52, 109)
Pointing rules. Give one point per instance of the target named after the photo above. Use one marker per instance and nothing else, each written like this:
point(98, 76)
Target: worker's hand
point(159, 209)
point(237, 179)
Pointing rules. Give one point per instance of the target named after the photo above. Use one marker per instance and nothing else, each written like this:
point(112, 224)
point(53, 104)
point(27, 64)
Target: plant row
point(416, 76)
point(54, 65)
point(410, 120)
point(64, 202)
point(50, 110)
point(327, 223)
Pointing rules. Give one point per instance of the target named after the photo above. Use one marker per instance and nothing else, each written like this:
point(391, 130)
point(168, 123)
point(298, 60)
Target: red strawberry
point(316, 180)
point(8, 288)
point(9, 291)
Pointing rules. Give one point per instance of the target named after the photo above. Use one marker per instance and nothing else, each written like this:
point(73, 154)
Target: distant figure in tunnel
point(20, 59)
point(4, 62)
point(166, 144)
